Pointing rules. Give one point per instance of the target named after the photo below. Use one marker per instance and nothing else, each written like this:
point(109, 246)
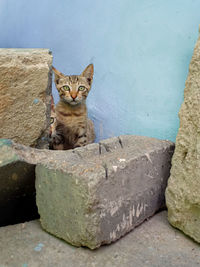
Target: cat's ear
point(57, 74)
point(88, 73)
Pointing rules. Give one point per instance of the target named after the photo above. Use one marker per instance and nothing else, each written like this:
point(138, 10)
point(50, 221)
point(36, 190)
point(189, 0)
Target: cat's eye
point(66, 88)
point(52, 120)
point(81, 88)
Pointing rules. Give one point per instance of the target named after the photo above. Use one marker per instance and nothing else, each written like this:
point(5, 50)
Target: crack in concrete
point(100, 149)
point(120, 142)
point(106, 170)
point(106, 148)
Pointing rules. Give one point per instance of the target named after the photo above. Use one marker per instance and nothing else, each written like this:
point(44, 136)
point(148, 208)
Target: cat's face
point(75, 88)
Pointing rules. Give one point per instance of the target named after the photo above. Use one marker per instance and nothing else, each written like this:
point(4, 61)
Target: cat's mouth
point(73, 102)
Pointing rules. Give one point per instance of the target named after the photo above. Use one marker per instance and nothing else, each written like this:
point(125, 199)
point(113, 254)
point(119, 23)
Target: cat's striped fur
point(73, 128)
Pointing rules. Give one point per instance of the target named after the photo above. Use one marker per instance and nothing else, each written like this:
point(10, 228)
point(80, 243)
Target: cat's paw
point(58, 139)
point(55, 140)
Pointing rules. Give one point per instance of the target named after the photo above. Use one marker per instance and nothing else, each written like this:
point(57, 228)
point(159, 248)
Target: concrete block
point(96, 194)
point(17, 190)
point(17, 180)
point(25, 95)
point(183, 190)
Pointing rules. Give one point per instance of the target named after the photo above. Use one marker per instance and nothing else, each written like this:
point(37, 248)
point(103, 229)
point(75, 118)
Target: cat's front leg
point(56, 141)
point(81, 138)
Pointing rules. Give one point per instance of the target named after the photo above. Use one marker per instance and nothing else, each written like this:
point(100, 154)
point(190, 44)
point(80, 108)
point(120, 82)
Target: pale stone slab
point(25, 95)
point(99, 193)
point(183, 191)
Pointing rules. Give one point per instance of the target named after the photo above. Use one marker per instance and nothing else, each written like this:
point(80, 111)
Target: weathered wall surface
point(25, 90)
point(183, 191)
point(96, 194)
point(140, 49)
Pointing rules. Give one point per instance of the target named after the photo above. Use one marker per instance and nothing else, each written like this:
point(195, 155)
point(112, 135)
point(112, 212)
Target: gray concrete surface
point(103, 191)
point(127, 162)
point(154, 243)
point(17, 180)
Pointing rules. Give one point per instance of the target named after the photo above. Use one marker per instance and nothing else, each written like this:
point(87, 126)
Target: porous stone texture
point(17, 180)
point(25, 95)
point(96, 194)
point(183, 191)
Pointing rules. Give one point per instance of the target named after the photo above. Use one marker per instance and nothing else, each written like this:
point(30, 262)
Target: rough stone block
point(17, 180)
point(96, 194)
point(25, 90)
point(183, 190)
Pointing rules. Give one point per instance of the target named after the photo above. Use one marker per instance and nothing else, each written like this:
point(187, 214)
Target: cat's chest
point(71, 116)
point(71, 119)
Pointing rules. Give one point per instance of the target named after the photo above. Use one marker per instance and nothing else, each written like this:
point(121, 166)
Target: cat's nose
point(73, 96)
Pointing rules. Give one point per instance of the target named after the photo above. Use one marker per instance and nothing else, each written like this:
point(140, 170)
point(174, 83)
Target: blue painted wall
point(141, 50)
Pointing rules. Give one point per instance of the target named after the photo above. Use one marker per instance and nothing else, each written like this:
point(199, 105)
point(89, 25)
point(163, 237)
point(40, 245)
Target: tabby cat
point(71, 127)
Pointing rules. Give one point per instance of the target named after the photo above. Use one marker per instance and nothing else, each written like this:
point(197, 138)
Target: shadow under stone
point(17, 198)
